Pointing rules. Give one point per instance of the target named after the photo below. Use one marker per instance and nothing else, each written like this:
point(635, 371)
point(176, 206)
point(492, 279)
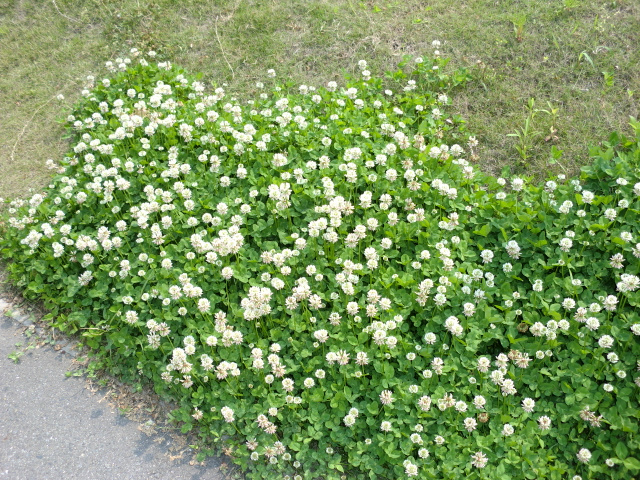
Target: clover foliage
point(322, 279)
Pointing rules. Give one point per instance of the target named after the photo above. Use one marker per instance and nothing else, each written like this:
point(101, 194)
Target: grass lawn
point(579, 61)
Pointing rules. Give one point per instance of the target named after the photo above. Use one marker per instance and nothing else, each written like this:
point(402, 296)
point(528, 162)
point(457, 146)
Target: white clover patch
point(323, 278)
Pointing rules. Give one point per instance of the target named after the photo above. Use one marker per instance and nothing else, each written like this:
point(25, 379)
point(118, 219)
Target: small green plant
point(15, 356)
point(30, 331)
point(554, 158)
point(584, 55)
point(519, 21)
point(530, 131)
point(567, 7)
point(608, 79)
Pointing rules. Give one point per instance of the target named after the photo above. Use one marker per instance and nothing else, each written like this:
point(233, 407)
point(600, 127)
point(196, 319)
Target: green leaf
point(621, 450)
point(631, 463)
point(78, 318)
point(484, 231)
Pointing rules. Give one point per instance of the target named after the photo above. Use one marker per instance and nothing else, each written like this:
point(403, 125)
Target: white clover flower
point(483, 364)
point(131, 317)
point(517, 184)
point(423, 453)
point(227, 413)
point(513, 249)
point(587, 196)
point(430, 338)
point(386, 243)
point(204, 305)
point(537, 285)
point(487, 256)
point(349, 420)
point(566, 207)
point(617, 260)
point(610, 214)
point(628, 283)
point(277, 283)
point(410, 469)
point(440, 299)
point(566, 244)
point(468, 309)
point(592, 323)
point(610, 303)
point(479, 402)
point(470, 424)
point(424, 403)
point(321, 335)
point(544, 422)
point(584, 455)
point(528, 405)
point(479, 460)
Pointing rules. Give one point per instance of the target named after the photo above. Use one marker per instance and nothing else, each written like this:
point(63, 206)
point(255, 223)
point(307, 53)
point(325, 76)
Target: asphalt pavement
point(53, 427)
